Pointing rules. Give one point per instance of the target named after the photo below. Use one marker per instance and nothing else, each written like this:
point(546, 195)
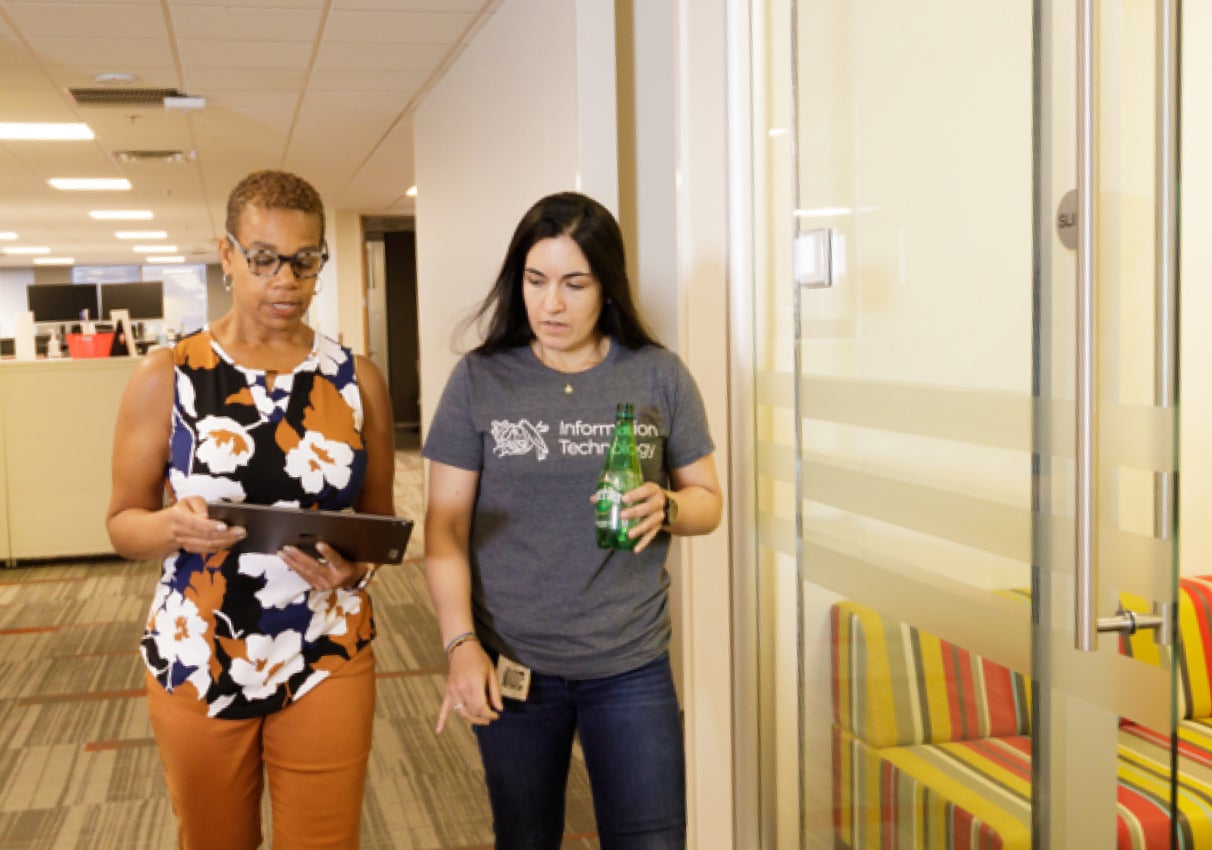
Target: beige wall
point(499, 131)
point(1195, 533)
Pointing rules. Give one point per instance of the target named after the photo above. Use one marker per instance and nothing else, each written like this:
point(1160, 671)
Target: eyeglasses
point(265, 263)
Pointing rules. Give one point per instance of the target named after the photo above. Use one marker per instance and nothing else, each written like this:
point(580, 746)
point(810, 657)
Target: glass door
point(965, 373)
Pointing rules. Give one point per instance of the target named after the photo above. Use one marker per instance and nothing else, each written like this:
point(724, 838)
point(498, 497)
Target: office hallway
point(79, 768)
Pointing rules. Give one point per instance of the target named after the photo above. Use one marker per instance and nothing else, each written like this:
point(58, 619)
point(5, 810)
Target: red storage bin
point(89, 345)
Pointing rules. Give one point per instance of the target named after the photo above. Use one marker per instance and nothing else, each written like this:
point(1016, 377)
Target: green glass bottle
point(620, 474)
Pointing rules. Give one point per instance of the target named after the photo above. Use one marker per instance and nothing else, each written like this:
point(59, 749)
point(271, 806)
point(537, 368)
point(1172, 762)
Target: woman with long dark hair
point(547, 635)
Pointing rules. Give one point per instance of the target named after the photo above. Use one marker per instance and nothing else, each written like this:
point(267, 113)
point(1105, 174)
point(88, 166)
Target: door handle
point(1086, 505)
point(1130, 622)
point(1087, 624)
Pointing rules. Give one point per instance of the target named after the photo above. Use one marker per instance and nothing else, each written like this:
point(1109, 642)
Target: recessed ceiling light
point(11, 131)
point(412, 191)
point(90, 184)
point(121, 215)
point(142, 234)
point(54, 261)
point(163, 155)
point(26, 249)
point(177, 259)
point(8, 235)
point(114, 78)
point(151, 249)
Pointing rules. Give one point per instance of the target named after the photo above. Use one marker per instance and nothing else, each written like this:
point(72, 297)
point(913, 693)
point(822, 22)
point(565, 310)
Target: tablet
point(358, 537)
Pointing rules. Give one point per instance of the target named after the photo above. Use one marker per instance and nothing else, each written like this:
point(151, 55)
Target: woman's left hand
point(645, 503)
point(327, 572)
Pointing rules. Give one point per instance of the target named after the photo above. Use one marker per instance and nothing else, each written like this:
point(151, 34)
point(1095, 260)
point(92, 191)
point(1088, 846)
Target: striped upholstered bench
point(932, 746)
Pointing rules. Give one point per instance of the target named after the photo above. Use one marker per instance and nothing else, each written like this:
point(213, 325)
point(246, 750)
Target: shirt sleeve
point(453, 438)
point(689, 435)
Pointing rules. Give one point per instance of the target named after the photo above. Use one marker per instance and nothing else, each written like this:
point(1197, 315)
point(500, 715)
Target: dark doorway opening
point(391, 250)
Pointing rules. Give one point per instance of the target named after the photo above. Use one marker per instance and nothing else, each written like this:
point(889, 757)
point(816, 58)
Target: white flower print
point(186, 395)
point(210, 487)
point(283, 585)
point(353, 397)
point(317, 460)
point(271, 661)
point(223, 444)
point(311, 681)
point(329, 356)
point(329, 609)
point(180, 636)
point(220, 703)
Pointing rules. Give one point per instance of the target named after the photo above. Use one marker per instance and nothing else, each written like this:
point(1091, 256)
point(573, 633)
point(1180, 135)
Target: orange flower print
point(316, 461)
point(270, 662)
point(223, 444)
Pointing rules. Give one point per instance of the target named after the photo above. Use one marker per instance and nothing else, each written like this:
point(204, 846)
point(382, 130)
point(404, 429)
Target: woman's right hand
point(472, 690)
point(194, 531)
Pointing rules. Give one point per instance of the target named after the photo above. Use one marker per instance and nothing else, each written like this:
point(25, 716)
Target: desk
point(56, 440)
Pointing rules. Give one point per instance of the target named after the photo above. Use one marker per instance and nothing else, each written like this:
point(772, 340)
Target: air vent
point(155, 156)
point(122, 97)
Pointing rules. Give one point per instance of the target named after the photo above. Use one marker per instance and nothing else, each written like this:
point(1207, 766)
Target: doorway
point(966, 425)
point(391, 308)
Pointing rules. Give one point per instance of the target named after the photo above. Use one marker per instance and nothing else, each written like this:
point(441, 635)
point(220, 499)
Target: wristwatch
point(671, 509)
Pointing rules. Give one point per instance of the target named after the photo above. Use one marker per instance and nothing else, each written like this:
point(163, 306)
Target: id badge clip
point(514, 679)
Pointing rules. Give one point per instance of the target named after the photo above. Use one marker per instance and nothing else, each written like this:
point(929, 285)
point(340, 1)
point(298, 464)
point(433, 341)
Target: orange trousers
point(314, 753)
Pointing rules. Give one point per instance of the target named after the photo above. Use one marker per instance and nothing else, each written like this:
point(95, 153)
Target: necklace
point(596, 356)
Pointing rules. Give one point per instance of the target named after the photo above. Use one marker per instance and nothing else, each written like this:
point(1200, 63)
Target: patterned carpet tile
point(79, 768)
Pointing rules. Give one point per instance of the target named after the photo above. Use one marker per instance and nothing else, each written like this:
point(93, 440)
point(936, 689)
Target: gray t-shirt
point(543, 593)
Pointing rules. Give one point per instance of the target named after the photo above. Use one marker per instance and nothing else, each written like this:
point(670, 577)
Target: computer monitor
point(62, 302)
point(143, 300)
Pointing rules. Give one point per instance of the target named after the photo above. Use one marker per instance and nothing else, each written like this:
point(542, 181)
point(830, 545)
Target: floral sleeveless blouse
point(239, 630)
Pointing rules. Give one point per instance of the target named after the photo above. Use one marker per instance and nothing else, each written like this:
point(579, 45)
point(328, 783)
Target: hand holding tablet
point(358, 537)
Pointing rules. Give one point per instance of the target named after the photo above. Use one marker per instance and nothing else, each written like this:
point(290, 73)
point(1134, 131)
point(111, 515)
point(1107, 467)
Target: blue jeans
point(631, 732)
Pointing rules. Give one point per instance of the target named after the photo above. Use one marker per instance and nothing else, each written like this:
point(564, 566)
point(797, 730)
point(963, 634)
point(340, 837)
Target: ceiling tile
point(236, 23)
point(84, 76)
point(267, 4)
point(399, 28)
point(35, 104)
point(280, 54)
point(26, 77)
point(109, 53)
point(212, 80)
point(374, 57)
point(65, 20)
point(413, 5)
point(67, 159)
point(403, 82)
point(328, 121)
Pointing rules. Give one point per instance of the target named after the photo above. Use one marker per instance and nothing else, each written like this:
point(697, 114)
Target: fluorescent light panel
point(7, 235)
point(142, 234)
point(54, 261)
point(176, 259)
point(11, 131)
point(152, 249)
point(90, 184)
point(121, 215)
point(26, 249)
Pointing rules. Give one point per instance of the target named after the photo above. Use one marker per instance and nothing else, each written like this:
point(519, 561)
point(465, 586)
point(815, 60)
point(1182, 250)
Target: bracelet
point(364, 580)
point(459, 640)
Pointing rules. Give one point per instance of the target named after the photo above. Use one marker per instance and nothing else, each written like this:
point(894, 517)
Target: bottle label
point(609, 495)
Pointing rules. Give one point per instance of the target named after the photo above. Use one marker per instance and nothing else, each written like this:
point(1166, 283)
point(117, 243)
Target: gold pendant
point(568, 389)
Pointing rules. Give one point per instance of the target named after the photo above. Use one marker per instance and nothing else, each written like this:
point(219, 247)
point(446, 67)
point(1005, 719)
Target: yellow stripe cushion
point(895, 685)
point(1195, 642)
